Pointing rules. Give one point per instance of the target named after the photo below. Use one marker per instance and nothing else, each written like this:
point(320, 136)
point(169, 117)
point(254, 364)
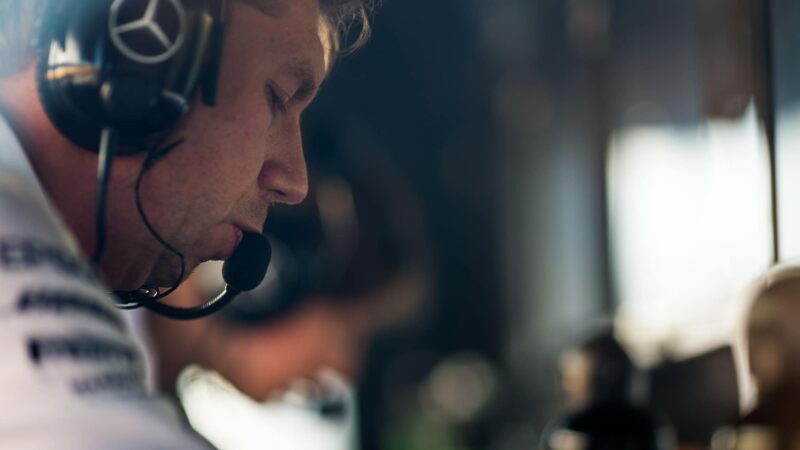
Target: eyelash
point(274, 99)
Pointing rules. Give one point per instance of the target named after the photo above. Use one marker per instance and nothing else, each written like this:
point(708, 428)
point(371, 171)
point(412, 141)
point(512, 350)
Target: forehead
point(274, 8)
point(283, 8)
point(285, 32)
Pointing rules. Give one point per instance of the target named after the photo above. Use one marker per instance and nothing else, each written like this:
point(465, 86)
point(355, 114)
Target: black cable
point(152, 157)
point(136, 299)
point(105, 161)
point(253, 252)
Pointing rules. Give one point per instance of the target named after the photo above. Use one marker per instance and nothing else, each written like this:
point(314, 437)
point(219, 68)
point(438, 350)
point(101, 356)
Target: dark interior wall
point(655, 69)
point(418, 94)
point(551, 132)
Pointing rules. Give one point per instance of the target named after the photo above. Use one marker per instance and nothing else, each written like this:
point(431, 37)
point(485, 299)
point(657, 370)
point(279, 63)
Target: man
point(71, 376)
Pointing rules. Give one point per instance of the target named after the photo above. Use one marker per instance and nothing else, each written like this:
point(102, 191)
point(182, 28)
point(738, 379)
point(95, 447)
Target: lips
point(248, 228)
point(228, 245)
point(239, 235)
point(233, 236)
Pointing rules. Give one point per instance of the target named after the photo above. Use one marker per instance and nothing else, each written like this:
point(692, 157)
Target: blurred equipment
point(597, 380)
point(697, 394)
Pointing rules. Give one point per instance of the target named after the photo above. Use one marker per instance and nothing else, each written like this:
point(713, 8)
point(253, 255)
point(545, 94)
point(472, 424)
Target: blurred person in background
point(773, 345)
point(597, 380)
point(348, 263)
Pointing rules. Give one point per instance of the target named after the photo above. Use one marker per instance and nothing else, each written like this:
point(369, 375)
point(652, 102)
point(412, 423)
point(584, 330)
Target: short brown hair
point(18, 18)
point(339, 16)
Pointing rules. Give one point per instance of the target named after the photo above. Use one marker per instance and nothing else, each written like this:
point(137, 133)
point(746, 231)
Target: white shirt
point(71, 375)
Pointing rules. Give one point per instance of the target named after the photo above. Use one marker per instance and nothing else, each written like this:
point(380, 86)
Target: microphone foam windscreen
point(247, 266)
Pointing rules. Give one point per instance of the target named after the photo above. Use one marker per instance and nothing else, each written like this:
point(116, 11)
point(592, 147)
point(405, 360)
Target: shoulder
point(25, 211)
point(35, 248)
point(68, 365)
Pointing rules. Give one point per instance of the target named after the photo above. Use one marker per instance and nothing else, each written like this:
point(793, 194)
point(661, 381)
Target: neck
point(68, 176)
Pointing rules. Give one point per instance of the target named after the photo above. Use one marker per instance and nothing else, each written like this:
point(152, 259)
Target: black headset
point(130, 65)
point(118, 75)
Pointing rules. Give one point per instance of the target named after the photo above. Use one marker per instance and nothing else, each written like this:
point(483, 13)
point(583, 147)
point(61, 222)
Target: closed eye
point(278, 102)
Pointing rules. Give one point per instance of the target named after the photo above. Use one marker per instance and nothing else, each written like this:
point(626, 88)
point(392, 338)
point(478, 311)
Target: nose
point(284, 174)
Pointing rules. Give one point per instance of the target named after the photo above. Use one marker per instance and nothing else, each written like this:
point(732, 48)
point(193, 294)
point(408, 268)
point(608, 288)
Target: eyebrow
point(303, 71)
point(272, 8)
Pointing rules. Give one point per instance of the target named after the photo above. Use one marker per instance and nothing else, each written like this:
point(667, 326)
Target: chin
point(167, 273)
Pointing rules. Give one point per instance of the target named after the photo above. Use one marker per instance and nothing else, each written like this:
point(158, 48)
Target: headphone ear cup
point(89, 75)
point(61, 84)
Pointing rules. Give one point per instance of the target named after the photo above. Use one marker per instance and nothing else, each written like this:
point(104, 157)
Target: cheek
point(228, 152)
point(224, 145)
point(218, 165)
point(213, 177)
point(242, 109)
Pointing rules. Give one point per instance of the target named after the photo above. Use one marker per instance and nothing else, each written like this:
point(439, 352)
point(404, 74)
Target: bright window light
point(690, 230)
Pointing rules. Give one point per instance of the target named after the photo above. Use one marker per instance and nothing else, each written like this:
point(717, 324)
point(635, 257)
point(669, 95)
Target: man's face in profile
point(241, 155)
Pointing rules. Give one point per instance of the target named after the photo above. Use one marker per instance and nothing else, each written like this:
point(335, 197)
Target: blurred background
point(568, 167)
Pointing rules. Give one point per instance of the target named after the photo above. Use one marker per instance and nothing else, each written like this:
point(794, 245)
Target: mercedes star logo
point(147, 31)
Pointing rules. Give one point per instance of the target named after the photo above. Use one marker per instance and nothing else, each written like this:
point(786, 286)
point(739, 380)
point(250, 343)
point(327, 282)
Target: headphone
point(117, 76)
point(130, 65)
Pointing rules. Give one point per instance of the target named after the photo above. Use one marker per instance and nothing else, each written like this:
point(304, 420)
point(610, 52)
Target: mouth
point(232, 240)
point(248, 228)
